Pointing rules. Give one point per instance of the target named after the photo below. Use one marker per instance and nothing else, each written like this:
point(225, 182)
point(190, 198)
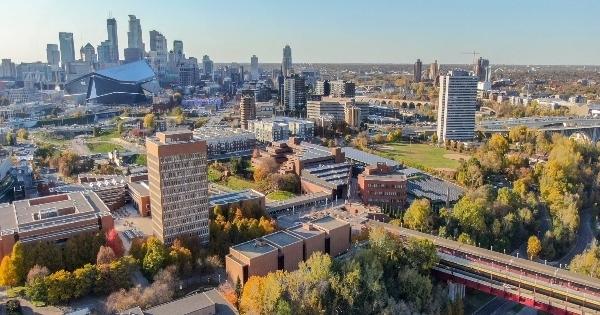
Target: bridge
point(398, 103)
point(539, 286)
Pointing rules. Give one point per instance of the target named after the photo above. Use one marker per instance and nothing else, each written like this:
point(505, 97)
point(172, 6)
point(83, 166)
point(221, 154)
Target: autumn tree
point(105, 256)
point(149, 121)
point(7, 272)
point(115, 243)
point(155, 258)
point(534, 247)
point(23, 134)
point(419, 215)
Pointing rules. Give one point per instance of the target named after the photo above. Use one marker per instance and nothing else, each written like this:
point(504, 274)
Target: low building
point(205, 303)
point(246, 198)
point(330, 178)
point(325, 108)
point(224, 143)
point(53, 218)
point(139, 192)
point(285, 249)
point(265, 109)
point(380, 185)
point(111, 189)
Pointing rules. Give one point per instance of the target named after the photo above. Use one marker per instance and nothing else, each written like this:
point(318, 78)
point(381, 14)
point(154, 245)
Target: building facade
point(52, 54)
point(254, 68)
point(177, 175)
point(247, 108)
point(286, 62)
point(67, 47)
point(294, 96)
point(417, 69)
point(224, 143)
point(381, 185)
point(134, 35)
point(456, 107)
point(113, 39)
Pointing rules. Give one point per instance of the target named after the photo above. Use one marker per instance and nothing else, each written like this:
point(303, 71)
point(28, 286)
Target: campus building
point(285, 249)
point(456, 109)
point(224, 142)
point(177, 174)
point(381, 185)
point(54, 218)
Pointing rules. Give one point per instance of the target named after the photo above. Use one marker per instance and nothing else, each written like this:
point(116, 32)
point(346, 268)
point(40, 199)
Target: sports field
point(427, 155)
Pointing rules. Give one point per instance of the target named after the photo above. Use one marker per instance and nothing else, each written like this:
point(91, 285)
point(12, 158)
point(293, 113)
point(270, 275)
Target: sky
point(322, 31)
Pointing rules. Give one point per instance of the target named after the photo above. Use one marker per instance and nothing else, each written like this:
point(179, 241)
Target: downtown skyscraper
point(67, 47)
point(134, 35)
point(254, 67)
point(286, 63)
point(52, 54)
point(418, 68)
point(113, 39)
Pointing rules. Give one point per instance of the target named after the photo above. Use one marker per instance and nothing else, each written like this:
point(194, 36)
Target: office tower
point(104, 52)
point(177, 176)
point(134, 36)
point(52, 54)
point(340, 88)
point(294, 96)
point(178, 47)
point(207, 65)
point(434, 72)
point(8, 69)
point(322, 88)
point(481, 69)
point(158, 54)
point(111, 29)
point(67, 47)
point(88, 53)
point(456, 108)
point(286, 63)
point(132, 54)
point(247, 108)
point(418, 67)
point(254, 67)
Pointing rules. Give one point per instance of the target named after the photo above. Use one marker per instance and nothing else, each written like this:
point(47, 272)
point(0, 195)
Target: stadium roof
point(139, 71)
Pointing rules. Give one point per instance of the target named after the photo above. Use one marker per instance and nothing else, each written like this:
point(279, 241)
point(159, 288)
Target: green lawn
point(280, 195)
point(237, 183)
point(428, 156)
point(104, 147)
point(107, 135)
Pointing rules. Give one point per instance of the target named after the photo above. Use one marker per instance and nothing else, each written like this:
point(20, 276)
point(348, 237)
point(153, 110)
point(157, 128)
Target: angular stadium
point(125, 84)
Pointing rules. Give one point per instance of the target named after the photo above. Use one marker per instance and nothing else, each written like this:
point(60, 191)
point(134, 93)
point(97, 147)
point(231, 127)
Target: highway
point(546, 282)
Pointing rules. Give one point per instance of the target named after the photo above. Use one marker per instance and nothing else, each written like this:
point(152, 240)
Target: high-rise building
point(418, 67)
point(434, 72)
point(67, 47)
point(322, 88)
point(207, 65)
point(178, 47)
point(482, 68)
point(254, 67)
point(177, 176)
point(132, 54)
point(158, 54)
point(52, 54)
point(134, 36)
point(456, 108)
point(247, 108)
point(8, 69)
point(341, 88)
point(104, 52)
point(88, 53)
point(111, 29)
point(286, 63)
point(294, 96)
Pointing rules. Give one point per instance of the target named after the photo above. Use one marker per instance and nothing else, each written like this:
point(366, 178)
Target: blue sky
point(385, 31)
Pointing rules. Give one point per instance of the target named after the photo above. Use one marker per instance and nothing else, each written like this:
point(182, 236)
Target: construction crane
point(474, 53)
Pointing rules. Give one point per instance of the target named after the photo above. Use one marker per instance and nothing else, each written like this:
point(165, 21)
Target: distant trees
point(419, 215)
point(23, 134)
point(394, 135)
point(588, 262)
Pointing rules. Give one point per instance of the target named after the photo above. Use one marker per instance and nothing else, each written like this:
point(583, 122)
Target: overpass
point(398, 103)
point(539, 286)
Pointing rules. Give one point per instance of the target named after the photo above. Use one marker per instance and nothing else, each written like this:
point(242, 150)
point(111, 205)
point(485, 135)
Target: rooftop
point(214, 133)
point(254, 248)
point(367, 158)
point(236, 196)
point(139, 71)
point(329, 223)
point(141, 188)
point(281, 239)
point(305, 231)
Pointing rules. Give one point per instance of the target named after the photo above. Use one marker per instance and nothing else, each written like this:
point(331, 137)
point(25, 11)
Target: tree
point(419, 215)
point(394, 135)
point(534, 247)
point(20, 262)
point(115, 243)
point(85, 279)
point(155, 258)
point(498, 144)
point(60, 286)
point(264, 168)
point(149, 121)
point(10, 138)
point(105, 256)
point(379, 138)
point(588, 262)
point(7, 272)
point(120, 127)
point(23, 134)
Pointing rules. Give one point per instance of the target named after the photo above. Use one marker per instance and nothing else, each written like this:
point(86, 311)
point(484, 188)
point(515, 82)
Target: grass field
point(280, 195)
point(420, 154)
point(237, 183)
point(104, 147)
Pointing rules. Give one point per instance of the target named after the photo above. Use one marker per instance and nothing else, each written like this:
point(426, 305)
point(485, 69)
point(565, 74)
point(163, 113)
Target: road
point(585, 236)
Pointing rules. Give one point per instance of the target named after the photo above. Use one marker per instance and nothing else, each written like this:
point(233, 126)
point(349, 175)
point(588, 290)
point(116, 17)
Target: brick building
point(381, 185)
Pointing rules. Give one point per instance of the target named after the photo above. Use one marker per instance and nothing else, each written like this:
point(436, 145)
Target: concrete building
point(456, 109)
point(417, 70)
point(209, 302)
point(381, 185)
point(177, 174)
point(294, 96)
point(317, 109)
point(247, 198)
point(113, 39)
point(225, 143)
point(286, 63)
point(254, 68)
point(322, 88)
point(67, 48)
point(281, 128)
point(158, 54)
point(8, 69)
point(340, 88)
point(285, 249)
point(54, 218)
point(247, 108)
point(265, 109)
point(207, 66)
point(434, 72)
point(52, 54)
point(482, 70)
point(352, 115)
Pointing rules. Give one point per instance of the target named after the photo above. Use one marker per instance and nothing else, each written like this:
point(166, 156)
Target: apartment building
point(177, 174)
point(224, 142)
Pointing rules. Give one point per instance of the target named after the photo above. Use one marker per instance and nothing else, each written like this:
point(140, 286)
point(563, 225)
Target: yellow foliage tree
point(534, 247)
point(7, 272)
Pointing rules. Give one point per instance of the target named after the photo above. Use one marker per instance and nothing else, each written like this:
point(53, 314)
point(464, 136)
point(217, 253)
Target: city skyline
point(389, 32)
